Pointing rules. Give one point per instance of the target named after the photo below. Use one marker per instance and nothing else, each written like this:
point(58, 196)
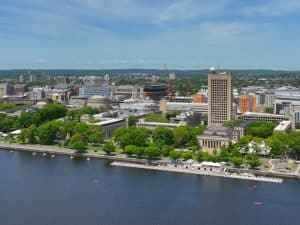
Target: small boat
point(11, 151)
point(71, 157)
point(96, 180)
point(87, 158)
point(34, 153)
point(257, 203)
point(44, 154)
point(52, 156)
point(254, 186)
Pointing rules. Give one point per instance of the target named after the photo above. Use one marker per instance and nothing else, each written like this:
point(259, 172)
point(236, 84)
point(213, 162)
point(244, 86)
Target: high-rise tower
point(219, 98)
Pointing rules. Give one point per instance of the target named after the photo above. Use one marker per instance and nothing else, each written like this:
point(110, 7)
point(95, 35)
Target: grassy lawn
point(95, 148)
point(265, 163)
point(99, 148)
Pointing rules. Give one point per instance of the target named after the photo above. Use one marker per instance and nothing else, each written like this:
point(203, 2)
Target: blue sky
point(186, 34)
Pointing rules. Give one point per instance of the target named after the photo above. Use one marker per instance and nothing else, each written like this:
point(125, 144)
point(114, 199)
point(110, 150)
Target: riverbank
point(54, 150)
point(171, 168)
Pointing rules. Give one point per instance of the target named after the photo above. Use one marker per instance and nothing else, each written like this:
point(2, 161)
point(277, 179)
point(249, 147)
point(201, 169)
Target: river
point(40, 190)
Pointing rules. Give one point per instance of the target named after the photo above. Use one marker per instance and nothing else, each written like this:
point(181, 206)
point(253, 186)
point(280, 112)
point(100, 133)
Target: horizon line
point(145, 68)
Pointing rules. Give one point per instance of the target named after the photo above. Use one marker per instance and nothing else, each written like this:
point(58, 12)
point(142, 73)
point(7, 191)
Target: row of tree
point(183, 136)
point(76, 135)
point(47, 113)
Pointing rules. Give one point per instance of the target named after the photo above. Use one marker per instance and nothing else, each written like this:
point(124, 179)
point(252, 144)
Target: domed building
point(40, 105)
point(98, 101)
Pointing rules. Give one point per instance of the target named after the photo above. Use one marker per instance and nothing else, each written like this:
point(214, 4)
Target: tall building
point(87, 92)
point(219, 98)
point(6, 89)
point(95, 81)
point(247, 103)
point(21, 79)
point(32, 77)
point(62, 80)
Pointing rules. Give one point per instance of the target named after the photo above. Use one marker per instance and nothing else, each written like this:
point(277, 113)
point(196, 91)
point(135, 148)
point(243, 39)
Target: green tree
point(137, 136)
point(163, 136)
point(198, 130)
point(6, 124)
point(132, 120)
point(261, 129)
point(152, 151)
point(277, 147)
point(22, 136)
point(109, 147)
point(166, 149)
point(253, 161)
point(75, 114)
point(199, 156)
point(140, 151)
point(68, 128)
point(233, 123)
point(31, 134)
point(82, 129)
point(48, 133)
point(182, 136)
point(52, 111)
point(245, 140)
point(294, 143)
point(175, 154)
point(187, 155)
point(237, 161)
point(96, 134)
point(79, 146)
point(26, 119)
point(131, 150)
point(224, 155)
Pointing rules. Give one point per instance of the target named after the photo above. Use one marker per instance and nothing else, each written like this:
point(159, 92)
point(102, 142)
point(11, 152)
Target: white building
point(166, 106)
point(37, 94)
point(284, 126)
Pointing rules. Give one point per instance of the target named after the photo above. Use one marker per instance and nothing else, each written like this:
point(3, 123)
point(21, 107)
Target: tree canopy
point(163, 136)
point(261, 129)
point(137, 136)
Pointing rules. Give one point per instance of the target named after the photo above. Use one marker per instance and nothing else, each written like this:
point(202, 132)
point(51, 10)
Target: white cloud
point(273, 8)
point(189, 9)
point(217, 32)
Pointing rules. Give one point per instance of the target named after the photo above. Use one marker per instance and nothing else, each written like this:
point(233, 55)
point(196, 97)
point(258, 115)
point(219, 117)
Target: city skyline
point(102, 34)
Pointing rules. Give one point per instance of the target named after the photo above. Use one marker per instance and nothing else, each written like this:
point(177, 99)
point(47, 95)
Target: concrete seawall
point(67, 152)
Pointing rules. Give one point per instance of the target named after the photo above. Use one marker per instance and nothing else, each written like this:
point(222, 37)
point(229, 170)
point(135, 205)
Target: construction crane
point(171, 78)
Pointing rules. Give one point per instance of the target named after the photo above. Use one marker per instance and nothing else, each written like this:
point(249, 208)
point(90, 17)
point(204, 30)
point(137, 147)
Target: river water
point(40, 190)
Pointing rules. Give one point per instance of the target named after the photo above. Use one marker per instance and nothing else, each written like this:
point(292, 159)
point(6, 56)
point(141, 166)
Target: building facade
point(247, 103)
point(130, 91)
point(155, 91)
point(219, 98)
point(6, 89)
point(214, 138)
point(87, 92)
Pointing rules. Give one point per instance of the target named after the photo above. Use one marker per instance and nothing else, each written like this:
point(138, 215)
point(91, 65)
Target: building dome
point(40, 105)
point(98, 101)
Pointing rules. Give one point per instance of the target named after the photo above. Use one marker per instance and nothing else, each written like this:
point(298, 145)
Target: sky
point(185, 34)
